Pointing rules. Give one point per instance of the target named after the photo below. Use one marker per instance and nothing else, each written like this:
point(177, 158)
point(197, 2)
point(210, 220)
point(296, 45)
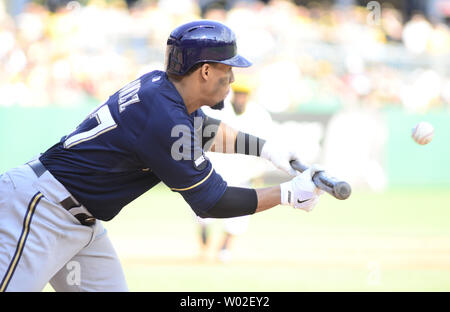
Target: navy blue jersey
point(142, 135)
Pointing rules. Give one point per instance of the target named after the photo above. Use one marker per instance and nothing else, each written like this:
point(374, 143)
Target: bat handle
point(338, 189)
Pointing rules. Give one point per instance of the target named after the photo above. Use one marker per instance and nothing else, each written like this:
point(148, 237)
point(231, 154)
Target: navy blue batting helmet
point(201, 41)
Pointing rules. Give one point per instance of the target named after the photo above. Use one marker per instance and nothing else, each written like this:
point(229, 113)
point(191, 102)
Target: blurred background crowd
point(323, 70)
point(308, 55)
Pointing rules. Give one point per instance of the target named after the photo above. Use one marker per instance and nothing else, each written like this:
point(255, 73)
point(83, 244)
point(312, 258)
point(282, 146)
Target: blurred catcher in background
point(240, 112)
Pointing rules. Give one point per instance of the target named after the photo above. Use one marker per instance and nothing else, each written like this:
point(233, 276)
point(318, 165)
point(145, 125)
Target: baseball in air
point(423, 133)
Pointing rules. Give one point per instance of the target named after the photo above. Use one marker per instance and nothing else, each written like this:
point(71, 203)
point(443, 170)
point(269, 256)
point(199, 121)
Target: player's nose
point(231, 77)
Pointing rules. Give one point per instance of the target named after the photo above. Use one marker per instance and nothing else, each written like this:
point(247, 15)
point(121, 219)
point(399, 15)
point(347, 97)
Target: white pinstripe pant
point(41, 242)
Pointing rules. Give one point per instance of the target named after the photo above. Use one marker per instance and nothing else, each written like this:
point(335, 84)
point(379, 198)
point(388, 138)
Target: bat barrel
point(338, 189)
point(342, 190)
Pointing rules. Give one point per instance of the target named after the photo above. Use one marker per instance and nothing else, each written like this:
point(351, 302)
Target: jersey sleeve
point(173, 151)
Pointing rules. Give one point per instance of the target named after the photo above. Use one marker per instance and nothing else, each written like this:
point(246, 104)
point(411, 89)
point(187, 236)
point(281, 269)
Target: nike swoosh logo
point(301, 201)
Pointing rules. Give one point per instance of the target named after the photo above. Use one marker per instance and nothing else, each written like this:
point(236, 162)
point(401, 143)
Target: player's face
point(221, 78)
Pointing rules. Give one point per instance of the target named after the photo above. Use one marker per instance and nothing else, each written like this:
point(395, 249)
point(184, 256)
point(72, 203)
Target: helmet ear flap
point(174, 59)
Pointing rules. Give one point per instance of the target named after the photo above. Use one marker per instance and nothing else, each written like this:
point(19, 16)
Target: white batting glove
point(301, 192)
point(280, 156)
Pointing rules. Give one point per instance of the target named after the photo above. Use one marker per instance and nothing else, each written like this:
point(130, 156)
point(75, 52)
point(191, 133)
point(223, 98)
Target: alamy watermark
point(374, 276)
point(73, 6)
point(189, 145)
point(374, 16)
point(74, 276)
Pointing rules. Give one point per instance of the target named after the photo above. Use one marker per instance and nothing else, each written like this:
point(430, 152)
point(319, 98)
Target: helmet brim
point(237, 61)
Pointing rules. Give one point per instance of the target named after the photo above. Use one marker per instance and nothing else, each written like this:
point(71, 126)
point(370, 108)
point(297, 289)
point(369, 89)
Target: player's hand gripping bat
point(331, 185)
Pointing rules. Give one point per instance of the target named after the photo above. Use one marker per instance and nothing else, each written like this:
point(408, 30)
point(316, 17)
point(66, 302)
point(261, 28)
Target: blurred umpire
point(149, 131)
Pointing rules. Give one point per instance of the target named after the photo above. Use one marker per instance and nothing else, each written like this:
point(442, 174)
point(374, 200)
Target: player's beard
point(219, 105)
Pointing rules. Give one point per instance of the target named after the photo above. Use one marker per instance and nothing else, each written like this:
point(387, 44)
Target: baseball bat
point(331, 185)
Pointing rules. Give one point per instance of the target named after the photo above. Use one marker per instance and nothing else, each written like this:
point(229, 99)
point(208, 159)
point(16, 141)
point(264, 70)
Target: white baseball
point(423, 133)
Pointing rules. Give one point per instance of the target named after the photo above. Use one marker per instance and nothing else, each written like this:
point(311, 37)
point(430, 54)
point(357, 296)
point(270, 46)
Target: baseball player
point(51, 208)
point(240, 112)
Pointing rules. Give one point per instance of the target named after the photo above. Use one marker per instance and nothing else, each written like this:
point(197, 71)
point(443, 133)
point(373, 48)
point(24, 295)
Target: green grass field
point(393, 241)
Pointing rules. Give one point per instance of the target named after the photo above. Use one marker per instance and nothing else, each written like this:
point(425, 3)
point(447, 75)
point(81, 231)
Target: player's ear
point(205, 71)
